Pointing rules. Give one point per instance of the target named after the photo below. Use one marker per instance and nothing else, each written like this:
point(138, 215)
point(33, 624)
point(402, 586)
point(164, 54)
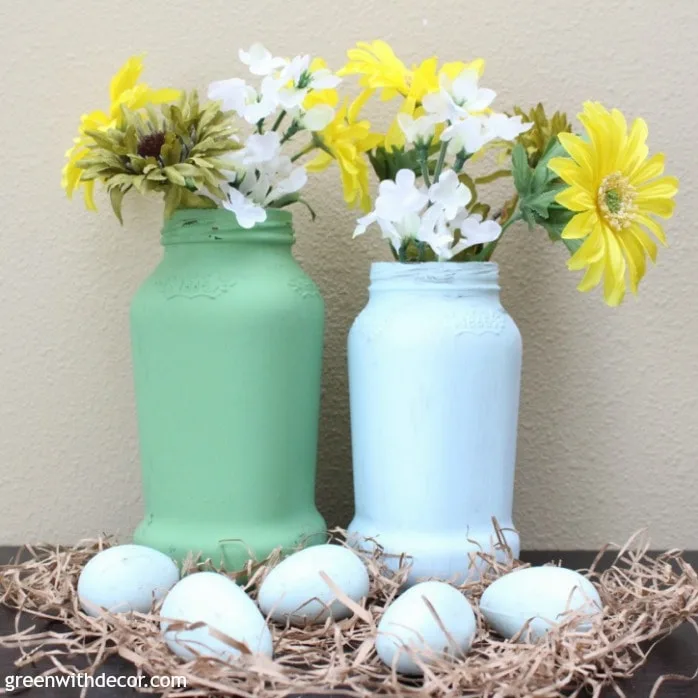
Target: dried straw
point(645, 598)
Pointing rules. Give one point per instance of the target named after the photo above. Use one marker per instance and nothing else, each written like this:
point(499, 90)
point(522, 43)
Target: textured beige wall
point(609, 418)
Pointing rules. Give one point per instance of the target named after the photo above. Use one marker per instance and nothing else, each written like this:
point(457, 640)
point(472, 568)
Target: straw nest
point(645, 597)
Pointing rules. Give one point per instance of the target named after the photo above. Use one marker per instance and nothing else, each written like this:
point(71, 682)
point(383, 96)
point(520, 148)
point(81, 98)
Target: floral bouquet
point(597, 193)
point(164, 141)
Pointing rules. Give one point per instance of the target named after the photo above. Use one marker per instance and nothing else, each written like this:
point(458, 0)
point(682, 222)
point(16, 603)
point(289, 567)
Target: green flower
point(176, 150)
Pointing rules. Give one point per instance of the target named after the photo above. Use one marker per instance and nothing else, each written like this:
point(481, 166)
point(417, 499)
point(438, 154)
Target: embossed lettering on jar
point(434, 373)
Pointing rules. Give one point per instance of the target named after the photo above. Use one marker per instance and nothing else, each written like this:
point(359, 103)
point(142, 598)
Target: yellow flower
point(614, 191)
point(381, 69)
point(345, 139)
point(124, 90)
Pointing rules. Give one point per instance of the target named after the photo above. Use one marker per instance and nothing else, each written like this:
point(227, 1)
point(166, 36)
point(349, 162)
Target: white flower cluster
point(437, 215)
point(463, 108)
point(260, 175)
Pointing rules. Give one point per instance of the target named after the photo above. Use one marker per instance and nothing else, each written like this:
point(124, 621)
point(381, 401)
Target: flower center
point(151, 144)
point(616, 201)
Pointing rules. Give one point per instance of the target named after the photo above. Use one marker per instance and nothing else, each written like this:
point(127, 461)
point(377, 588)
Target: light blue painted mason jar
point(434, 378)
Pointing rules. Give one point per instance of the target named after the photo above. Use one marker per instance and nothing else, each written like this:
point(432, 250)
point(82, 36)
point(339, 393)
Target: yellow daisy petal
point(644, 240)
point(635, 257)
point(570, 172)
point(614, 272)
point(320, 162)
point(592, 276)
point(579, 151)
point(591, 251)
point(659, 206)
point(580, 226)
point(88, 193)
point(636, 148)
point(575, 199)
point(163, 95)
point(649, 169)
point(664, 187)
point(126, 77)
point(653, 227)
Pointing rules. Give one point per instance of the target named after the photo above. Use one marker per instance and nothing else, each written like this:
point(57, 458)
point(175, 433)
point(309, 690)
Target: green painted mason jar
point(227, 337)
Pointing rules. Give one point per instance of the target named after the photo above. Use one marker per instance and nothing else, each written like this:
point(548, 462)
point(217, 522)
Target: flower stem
point(291, 131)
point(279, 119)
point(308, 149)
point(460, 161)
point(260, 126)
point(424, 164)
point(440, 161)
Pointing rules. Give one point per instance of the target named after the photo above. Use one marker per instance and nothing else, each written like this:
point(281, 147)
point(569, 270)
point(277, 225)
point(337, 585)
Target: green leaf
point(387, 164)
point(172, 200)
point(572, 245)
point(116, 196)
point(481, 209)
point(493, 176)
point(556, 222)
point(540, 203)
point(313, 215)
point(520, 170)
point(174, 176)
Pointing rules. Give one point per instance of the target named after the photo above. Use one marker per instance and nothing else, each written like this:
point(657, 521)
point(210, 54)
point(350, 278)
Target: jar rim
point(205, 225)
point(426, 275)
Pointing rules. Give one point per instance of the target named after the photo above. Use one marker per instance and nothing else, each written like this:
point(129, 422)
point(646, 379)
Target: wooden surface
point(677, 654)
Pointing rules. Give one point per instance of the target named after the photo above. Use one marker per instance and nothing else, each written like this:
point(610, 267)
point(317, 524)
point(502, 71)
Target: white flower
point(260, 61)
point(467, 94)
point(295, 69)
point(459, 98)
point(246, 212)
point(469, 134)
point(363, 223)
point(317, 117)
point(440, 242)
point(449, 194)
point(395, 199)
point(255, 185)
point(267, 102)
point(261, 148)
point(397, 232)
point(505, 127)
point(439, 106)
point(475, 231)
point(398, 209)
point(291, 98)
point(420, 130)
point(298, 73)
point(294, 182)
point(235, 94)
point(324, 79)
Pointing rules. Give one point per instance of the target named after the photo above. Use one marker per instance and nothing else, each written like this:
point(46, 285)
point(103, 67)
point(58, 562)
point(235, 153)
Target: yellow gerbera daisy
point(345, 139)
point(614, 191)
point(380, 69)
point(123, 90)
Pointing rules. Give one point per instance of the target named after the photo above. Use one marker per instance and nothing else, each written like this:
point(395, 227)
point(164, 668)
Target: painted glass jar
point(227, 337)
point(434, 376)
